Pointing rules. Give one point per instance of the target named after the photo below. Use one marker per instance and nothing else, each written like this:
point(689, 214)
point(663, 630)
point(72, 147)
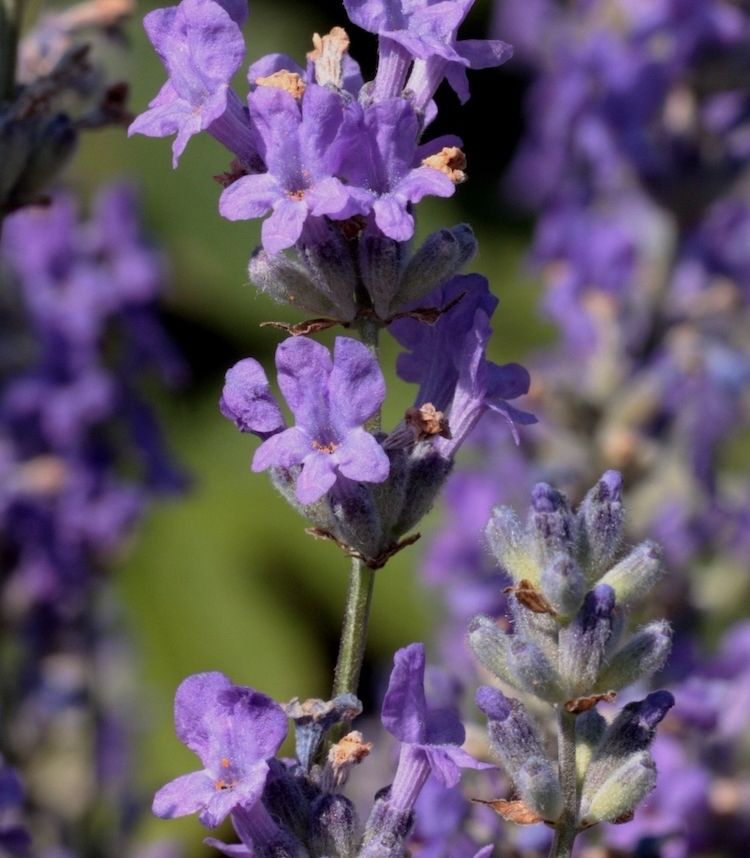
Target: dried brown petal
point(290, 82)
point(427, 421)
point(328, 56)
point(513, 811)
point(531, 598)
point(583, 704)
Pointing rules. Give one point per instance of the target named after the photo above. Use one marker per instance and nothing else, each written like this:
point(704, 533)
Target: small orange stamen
point(324, 448)
point(225, 762)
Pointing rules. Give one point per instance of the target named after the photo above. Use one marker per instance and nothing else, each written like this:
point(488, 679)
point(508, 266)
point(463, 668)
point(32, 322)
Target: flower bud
point(590, 727)
point(14, 152)
point(632, 731)
point(627, 785)
point(563, 584)
point(643, 654)
point(535, 673)
point(326, 254)
point(505, 538)
point(551, 521)
point(513, 736)
point(428, 471)
point(538, 785)
point(442, 255)
point(583, 644)
point(287, 282)
point(380, 267)
point(635, 574)
point(491, 646)
point(600, 519)
point(357, 519)
point(333, 826)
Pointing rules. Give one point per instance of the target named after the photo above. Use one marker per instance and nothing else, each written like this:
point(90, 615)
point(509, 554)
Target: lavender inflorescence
point(573, 586)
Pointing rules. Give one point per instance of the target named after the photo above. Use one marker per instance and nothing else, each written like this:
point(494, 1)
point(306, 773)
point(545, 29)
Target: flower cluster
point(569, 648)
point(296, 807)
point(337, 165)
point(80, 299)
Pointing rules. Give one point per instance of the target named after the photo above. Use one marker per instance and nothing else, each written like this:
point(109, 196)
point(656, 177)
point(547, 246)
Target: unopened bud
point(601, 518)
point(534, 671)
point(491, 646)
point(626, 785)
point(505, 537)
point(563, 584)
point(333, 826)
point(442, 255)
point(380, 268)
point(287, 282)
point(642, 655)
point(551, 521)
point(513, 736)
point(583, 644)
point(590, 727)
point(538, 785)
point(635, 574)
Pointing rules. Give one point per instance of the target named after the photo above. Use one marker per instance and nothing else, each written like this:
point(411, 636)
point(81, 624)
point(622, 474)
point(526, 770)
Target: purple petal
point(356, 387)
point(404, 711)
point(248, 401)
point(282, 450)
point(284, 227)
point(393, 218)
point(184, 795)
point(250, 197)
point(317, 476)
point(193, 707)
point(507, 381)
point(168, 114)
point(234, 850)
point(375, 15)
point(485, 852)
point(484, 53)
point(425, 181)
point(304, 367)
point(361, 458)
point(447, 761)
point(244, 794)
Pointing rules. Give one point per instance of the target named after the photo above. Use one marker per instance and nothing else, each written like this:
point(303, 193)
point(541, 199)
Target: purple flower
point(424, 31)
point(303, 145)
point(448, 360)
point(430, 737)
point(201, 46)
point(388, 164)
point(330, 401)
point(234, 731)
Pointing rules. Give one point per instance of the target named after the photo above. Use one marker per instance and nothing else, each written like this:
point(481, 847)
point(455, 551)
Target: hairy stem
point(369, 333)
point(354, 629)
point(10, 25)
point(566, 830)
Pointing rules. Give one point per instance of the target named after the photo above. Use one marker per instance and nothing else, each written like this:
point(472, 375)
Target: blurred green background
point(225, 578)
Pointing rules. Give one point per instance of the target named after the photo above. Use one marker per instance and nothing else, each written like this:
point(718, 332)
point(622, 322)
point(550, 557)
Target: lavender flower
point(234, 731)
point(201, 46)
point(330, 400)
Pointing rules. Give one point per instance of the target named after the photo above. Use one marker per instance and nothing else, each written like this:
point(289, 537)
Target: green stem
point(354, 629)
point(10, 26)
point(566, 829)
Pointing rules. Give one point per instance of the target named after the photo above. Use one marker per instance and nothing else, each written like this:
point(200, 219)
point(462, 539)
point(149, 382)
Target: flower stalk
point(10, 26)
point(354, 628)
point(566, 830)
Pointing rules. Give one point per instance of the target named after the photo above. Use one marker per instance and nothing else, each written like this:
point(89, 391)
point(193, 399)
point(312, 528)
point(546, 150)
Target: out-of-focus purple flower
point(201, 46)
point(331, 400)
point(234, 731)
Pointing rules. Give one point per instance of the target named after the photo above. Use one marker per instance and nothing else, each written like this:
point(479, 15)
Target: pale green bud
point(538, 785)
point(643, 654)
point(627, 785)
point(491, 646)
point(635, 574)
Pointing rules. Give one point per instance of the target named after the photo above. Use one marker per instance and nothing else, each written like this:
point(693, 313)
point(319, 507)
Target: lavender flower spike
point(234, 731)
point(330, 400)
point(201, 46)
